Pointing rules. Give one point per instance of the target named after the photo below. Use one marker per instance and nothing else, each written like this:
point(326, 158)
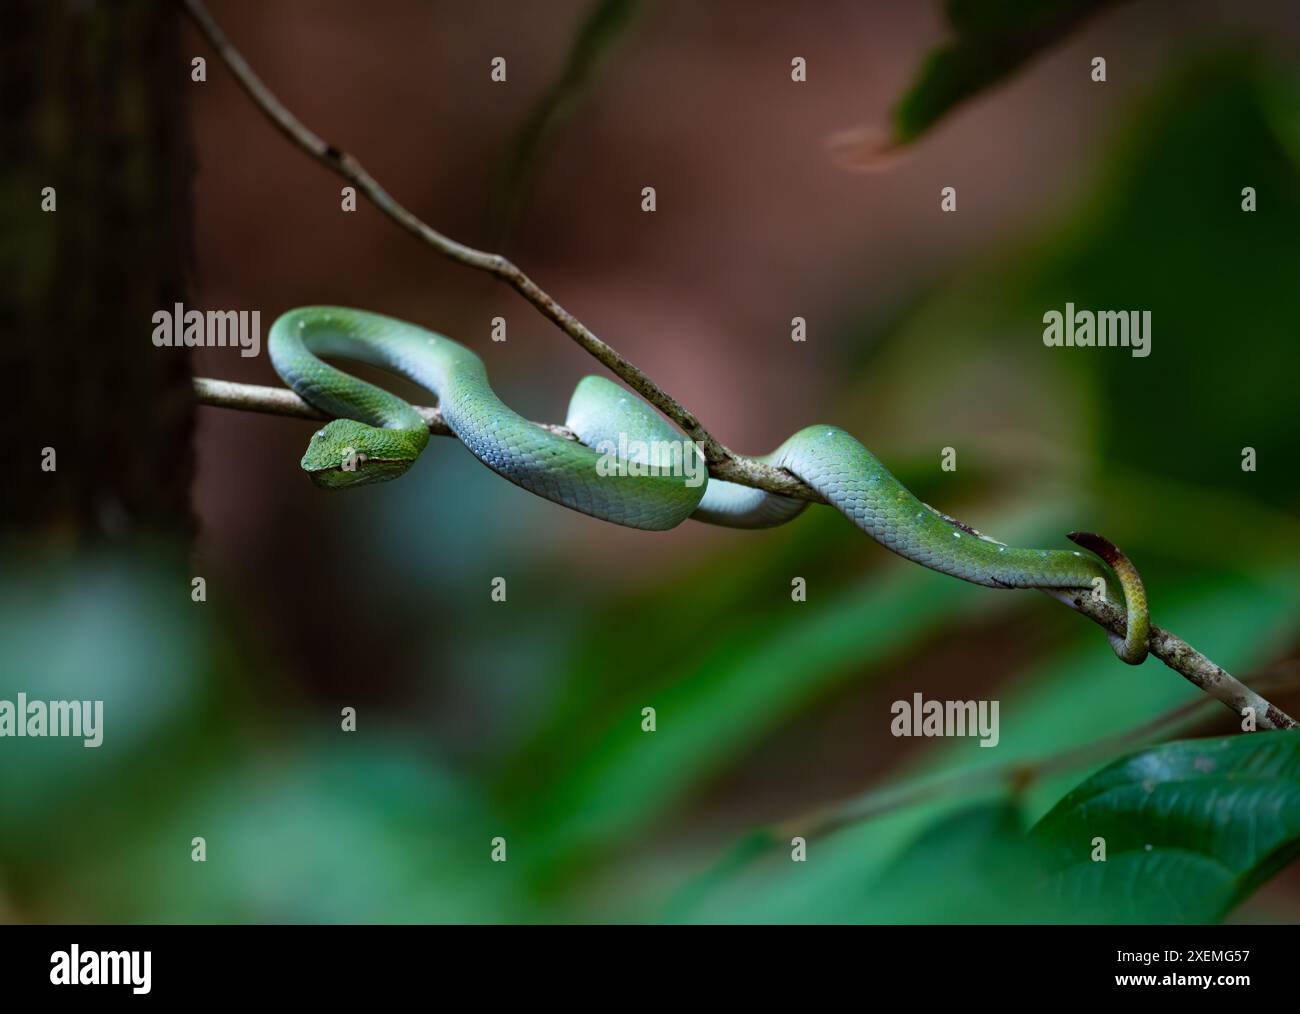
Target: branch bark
point(723, 463)
point(282, 401)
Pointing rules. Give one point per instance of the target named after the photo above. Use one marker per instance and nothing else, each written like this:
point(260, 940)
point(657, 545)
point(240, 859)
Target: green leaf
point(993, 38)
point(1190, 828)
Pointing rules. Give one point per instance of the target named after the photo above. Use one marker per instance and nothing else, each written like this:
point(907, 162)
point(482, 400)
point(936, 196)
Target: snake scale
point(376, 436)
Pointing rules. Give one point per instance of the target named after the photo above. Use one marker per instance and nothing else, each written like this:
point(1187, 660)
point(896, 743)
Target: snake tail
point(1132, 647)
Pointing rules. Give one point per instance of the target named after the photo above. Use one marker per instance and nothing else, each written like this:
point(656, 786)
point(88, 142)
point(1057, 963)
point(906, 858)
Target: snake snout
point(348, 453)
point(357, 470)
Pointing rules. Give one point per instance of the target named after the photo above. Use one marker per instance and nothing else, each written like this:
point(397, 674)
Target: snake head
point(348, 453)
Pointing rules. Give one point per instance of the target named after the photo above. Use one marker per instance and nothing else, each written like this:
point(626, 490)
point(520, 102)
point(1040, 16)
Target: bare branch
point(282, 401)
point(1181, 657)
point(723, 464)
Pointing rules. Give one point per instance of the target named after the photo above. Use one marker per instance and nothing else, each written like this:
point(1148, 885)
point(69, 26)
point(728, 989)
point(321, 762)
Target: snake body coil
point(378, 436)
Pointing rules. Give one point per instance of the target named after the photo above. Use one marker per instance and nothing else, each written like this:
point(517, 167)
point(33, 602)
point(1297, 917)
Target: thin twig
point(282, 401)
point(1181, 657)
point(723, 464)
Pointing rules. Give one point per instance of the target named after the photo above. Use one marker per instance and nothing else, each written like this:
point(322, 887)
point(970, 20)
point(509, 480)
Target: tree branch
point(723, 464)
point(282, 401)
point(1181, 657)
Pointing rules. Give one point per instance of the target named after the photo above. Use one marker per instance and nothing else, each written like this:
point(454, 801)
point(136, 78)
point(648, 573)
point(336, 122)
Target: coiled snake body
point(378, 436)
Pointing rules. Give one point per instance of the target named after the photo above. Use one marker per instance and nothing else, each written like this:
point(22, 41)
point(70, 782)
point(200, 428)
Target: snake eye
point(352, 458)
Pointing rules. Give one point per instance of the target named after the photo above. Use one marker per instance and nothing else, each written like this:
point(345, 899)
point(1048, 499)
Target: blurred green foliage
point(604, 27)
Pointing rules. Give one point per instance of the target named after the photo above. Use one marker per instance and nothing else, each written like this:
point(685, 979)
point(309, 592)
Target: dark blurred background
point(522, 718)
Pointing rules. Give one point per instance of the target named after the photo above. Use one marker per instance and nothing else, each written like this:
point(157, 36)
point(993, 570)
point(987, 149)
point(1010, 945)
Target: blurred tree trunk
point(93, 104)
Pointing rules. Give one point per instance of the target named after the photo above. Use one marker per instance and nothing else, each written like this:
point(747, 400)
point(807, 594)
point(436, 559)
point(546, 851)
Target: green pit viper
point(377, 436)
